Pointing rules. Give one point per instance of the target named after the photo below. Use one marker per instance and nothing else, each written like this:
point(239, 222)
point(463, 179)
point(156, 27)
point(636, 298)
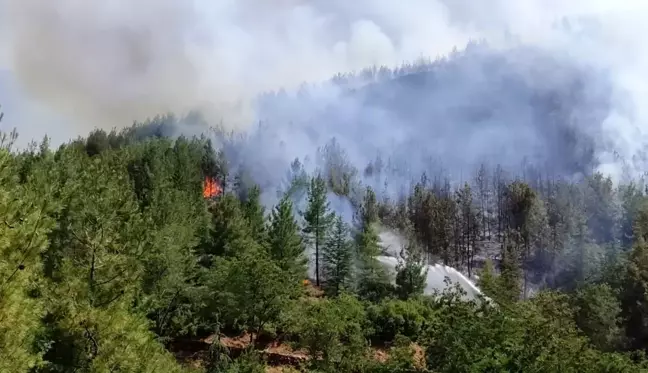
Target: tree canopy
point(113, 260)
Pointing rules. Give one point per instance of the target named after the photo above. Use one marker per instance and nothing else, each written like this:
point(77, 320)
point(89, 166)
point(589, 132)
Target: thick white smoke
point(107, 63)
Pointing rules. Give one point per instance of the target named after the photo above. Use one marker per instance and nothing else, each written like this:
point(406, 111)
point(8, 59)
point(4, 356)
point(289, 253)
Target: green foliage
point(23, 236)
point(509, 288)
point(367, 242)
point(339, 173)
point(401, 359)
point(109, 254)
point(229, 233)
point(488, 280)
point(331, 330)
point(284, 242)
point(337, 255)
point(318, 219)
point(631, 201)
point(374, 283)
point(97, 259)
point(248, 362)
point(255, 214)
point(411, 276)
point(392, 317)
point(635, 294)
point(297, 181)
point(369, 209)
point(175, 211)
point(250, 290)
point(598, 315)
point(535, 336)
point(107, 340)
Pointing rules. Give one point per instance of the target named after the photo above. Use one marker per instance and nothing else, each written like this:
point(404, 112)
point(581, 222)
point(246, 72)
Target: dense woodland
point(112, 258)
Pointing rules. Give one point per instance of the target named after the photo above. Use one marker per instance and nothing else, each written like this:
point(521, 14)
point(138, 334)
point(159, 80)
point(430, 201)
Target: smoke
point(106, 63)
point(392, 243)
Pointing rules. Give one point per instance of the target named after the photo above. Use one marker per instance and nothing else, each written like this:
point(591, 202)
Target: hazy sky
point(104, 63)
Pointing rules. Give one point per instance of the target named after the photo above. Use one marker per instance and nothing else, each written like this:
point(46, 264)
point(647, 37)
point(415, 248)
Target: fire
point(211, 188)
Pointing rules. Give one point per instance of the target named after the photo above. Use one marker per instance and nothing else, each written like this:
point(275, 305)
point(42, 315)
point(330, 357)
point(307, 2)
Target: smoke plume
point(107, 63)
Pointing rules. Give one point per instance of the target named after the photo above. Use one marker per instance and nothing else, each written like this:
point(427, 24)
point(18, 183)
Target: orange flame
point(211, 188)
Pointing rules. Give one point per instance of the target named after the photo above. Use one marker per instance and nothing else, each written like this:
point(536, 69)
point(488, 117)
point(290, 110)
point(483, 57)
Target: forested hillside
point(132, 252)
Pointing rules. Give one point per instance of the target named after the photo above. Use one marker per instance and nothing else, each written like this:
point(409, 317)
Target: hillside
point(124, 248)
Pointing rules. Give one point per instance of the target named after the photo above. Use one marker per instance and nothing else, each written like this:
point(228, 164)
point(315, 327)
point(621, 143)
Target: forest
point(130, 251)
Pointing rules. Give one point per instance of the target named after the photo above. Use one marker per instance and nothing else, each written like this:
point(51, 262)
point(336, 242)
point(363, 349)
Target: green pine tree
point(510, 288)
point(411, 275)
point(284, 242)
point(635, 292)
point(23, 228)
point(374, 282)
point(337, 256)
point(229, 233)
point(488, 279)
point(318, 219)
point(254, 213)
point(598, 315)
point(250, 290)
point(369, 209)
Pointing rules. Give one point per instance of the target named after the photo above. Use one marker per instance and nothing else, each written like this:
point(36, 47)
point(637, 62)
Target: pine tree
point(250, 290)
point(488, 280)
point(178, 217)
point(229, 232)
point(526, 216)
point(296, 183)
point(511, 273)
point(369, 209)
point(368, 241)
point(411, 275)
point(597, 315)
point(23, 228)
point(284, 242)
point(373, 280)
point(255, 214)
point(337, 257)
point(482, 184)
point(467, 228)
point(318, 219)
point(631, 198)
point(635, 283)
point(99, 252)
